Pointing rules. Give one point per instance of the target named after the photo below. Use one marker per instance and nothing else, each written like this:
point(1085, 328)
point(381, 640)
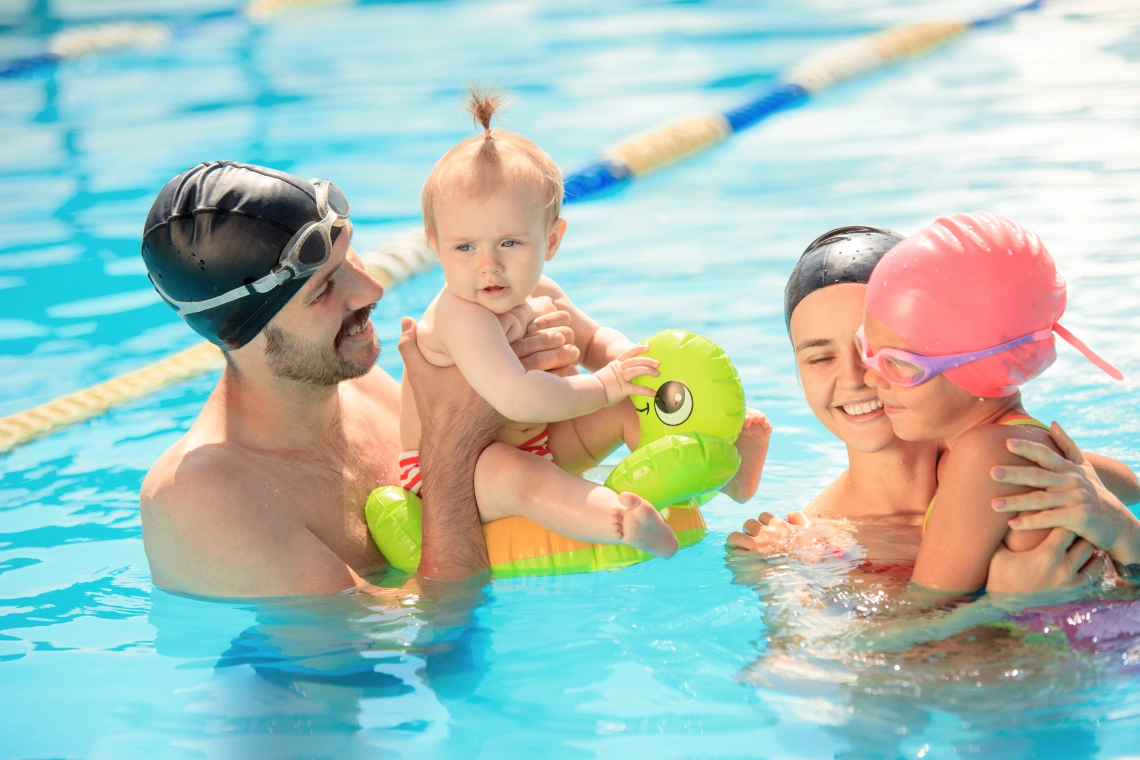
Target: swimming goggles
point(909, 369)
point(306, 252)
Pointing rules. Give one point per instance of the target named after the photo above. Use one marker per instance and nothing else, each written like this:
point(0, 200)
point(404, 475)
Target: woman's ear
point(554, 239)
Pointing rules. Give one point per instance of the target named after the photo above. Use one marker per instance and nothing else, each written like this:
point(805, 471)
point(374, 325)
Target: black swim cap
point(846, 254)
point(217, 227)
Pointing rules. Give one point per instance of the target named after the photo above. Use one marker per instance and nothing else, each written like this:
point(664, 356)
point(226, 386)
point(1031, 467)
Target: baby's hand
point(616, 376)
point(752, 443)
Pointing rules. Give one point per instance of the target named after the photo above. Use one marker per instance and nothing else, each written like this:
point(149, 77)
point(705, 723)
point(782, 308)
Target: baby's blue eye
point(463, 247)
point(508, 243)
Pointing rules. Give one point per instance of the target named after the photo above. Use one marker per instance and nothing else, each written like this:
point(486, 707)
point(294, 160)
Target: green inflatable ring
point(685, 455)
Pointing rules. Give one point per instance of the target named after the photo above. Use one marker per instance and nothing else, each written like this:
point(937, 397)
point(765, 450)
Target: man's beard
point(293, 359)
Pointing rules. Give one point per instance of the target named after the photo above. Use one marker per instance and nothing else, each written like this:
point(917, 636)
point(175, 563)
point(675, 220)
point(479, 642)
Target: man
point(264, 494)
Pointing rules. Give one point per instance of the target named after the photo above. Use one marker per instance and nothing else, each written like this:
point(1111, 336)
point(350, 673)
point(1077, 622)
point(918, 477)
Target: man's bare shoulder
point(212, 527)
point(192, 468)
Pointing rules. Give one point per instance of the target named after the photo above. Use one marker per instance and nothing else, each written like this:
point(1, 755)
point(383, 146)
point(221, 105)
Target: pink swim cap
point(969, 282)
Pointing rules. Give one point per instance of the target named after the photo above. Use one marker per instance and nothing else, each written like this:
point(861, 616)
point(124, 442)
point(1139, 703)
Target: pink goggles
point(909, 369)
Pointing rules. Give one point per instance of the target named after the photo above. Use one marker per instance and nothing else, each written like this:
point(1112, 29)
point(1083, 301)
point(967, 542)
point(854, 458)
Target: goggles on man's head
point(306, 252)
point(909, 369)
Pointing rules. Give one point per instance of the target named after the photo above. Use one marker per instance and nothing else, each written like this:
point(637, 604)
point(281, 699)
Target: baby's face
point(492, 247)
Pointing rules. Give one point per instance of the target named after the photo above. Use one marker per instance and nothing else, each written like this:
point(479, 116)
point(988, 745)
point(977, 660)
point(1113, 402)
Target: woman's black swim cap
point(846, 254)
point(217, 227)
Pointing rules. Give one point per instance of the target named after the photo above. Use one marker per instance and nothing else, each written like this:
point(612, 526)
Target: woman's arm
point(963, 530)
point(1073, 498)
point(1116, 476)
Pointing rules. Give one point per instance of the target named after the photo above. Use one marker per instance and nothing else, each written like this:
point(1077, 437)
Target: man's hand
point(549, 345)
point(442, 394)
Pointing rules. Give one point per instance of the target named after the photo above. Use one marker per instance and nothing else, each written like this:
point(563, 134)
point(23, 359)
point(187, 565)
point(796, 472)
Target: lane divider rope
point(652, 150)
point(410, 254)
point(393, 263)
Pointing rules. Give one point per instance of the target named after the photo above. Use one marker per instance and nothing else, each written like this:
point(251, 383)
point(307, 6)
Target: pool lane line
point(654, 149)
point(91, 39)
point(625, 161)
point(393, 263)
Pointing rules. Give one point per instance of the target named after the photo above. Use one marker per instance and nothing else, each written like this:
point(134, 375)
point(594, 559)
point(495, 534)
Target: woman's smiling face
point(823, 329)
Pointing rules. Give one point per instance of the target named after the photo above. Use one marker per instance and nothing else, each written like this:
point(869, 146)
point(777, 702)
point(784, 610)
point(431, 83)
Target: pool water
point(697, 656)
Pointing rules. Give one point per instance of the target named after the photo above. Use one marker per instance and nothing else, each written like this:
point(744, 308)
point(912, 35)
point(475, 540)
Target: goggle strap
point(267, 283)
point(1089, 354)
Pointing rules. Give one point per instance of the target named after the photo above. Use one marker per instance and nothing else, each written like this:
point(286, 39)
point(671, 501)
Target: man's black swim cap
point(217, 227)
point(846, 254)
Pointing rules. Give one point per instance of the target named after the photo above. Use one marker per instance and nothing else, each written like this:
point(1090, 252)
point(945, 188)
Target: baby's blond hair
point(495, 158)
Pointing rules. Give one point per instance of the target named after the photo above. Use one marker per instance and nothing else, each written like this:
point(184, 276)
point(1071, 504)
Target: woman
point(889, 482)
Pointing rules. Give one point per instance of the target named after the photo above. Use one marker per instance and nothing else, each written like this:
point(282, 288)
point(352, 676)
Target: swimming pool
point(1037, 119)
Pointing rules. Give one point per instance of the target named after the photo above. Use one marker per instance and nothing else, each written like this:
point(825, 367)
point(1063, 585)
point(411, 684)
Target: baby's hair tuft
point(494, 159)
point(484, 102)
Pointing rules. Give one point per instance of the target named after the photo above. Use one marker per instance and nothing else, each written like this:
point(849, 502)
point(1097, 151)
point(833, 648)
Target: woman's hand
point(1060, 561)
point(768, 534)
point(1072, 497)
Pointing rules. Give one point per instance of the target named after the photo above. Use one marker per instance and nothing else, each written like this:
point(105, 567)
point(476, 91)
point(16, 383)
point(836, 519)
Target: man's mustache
point(354, 320)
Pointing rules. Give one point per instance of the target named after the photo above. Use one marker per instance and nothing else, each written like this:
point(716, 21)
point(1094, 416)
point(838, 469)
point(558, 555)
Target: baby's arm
point(599, 345)
point(964, 531)
point(473, 337)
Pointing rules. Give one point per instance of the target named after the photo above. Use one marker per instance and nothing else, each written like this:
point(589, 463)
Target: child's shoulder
point(448, 304)
point(548, 287)
point(989, 441)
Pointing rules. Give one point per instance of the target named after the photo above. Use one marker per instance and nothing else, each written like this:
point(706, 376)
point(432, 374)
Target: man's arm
point(457, 425)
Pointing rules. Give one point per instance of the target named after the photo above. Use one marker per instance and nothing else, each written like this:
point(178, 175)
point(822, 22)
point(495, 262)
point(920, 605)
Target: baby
point(491, 209)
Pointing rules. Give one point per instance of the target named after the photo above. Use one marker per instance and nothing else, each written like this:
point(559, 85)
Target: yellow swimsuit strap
point(1010, 419)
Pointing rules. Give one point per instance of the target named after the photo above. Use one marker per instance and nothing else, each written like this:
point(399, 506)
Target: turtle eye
point(673, 403)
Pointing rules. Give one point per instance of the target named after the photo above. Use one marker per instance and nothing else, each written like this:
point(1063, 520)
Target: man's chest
point(327, 494)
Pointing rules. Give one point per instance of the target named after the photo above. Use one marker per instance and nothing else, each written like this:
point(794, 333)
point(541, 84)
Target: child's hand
point(752, 444)
point(616, 376)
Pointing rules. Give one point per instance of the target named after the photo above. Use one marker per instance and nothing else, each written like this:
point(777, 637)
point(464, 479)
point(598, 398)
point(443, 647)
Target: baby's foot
point(642, 527)
point(752, 444)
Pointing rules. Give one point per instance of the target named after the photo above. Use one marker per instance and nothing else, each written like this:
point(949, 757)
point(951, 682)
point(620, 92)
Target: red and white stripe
point(539, 445)
point(410, 471)
point(410, 461)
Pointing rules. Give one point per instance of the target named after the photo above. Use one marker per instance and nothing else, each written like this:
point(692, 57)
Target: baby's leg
point(512, 482)
point(582, 442)
point(752, 444)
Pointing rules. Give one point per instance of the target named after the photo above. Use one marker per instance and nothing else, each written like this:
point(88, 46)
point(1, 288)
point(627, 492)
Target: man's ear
point(554, 239)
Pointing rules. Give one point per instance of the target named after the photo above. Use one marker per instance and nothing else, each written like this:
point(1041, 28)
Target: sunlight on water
point(698, 656)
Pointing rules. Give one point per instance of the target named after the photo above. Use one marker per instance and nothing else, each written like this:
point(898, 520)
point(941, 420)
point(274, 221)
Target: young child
point(958, 317)
point(491, 208)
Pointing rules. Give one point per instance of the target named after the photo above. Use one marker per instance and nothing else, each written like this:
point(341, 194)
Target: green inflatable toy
point(685, 455)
